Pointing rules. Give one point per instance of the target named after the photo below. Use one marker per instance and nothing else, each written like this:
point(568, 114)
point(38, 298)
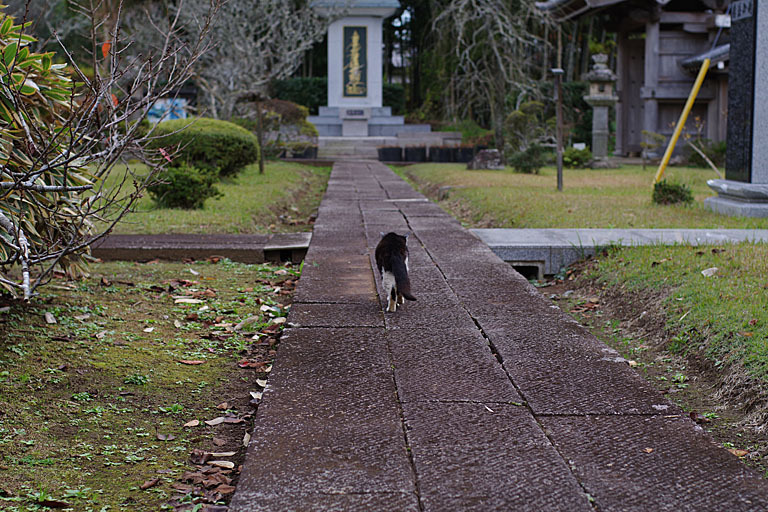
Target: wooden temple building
point(661, 45)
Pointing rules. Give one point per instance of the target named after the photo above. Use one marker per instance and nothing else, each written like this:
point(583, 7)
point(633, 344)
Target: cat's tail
point(402, 281)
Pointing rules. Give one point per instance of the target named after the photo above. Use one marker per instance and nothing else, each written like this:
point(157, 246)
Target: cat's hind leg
point(400, 299)
point(392, 301)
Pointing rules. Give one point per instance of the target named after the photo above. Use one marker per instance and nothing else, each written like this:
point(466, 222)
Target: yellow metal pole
point(682, 120)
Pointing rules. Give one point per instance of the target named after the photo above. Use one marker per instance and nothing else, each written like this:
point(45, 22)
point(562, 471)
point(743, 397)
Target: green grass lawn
point(616, 198)
point(280, 200)
point(106, 408)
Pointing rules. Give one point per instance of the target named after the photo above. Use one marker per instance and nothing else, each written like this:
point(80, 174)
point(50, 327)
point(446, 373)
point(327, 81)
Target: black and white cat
point(392, 262)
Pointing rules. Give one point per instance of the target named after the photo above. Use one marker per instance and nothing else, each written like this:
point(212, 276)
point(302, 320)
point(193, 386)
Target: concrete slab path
point(482, 395)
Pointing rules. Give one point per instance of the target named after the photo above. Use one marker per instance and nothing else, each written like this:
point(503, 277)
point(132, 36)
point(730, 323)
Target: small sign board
point(742, 9)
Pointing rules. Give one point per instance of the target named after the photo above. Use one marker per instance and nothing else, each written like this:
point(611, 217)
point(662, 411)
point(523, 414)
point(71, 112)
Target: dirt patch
point(635, 325)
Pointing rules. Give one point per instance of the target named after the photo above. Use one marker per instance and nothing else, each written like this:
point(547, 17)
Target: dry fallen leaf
point(166, 437)
point(177, 324)
point(49, 318)
point(185, 488)
point(632, 363)
point(261, 382)
point(194, 272)
point(187, 361)
point(257, 394)
point(709, 272)
point(223, 454)
point(219, 441)
point(215, 421)
point(149, 329)
point(222, 464)
point(648, 450)
point(150, 483)
point(246, 439)
point(223, 406)
point(187, 301)
point(225, 489)
point(192, 423)
point(737, 452)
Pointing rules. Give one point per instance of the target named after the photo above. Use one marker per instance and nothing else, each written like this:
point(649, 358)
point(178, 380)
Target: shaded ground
point(634, 325)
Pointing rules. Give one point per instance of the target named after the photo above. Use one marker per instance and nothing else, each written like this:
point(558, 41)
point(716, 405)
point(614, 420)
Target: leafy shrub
point(184, 187)
point(525, 128)
point(671, 193)
point(577, 158)
point(36, 99)
point(310, 92)
point(715, 151)
point(528, 161)
point(216, 146)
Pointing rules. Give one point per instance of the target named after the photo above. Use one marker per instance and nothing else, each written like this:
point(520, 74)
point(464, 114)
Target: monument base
point(738, 199)
point(362, 122)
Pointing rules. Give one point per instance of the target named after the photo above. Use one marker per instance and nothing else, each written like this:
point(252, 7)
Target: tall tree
point(492, 44)
point(255, 44)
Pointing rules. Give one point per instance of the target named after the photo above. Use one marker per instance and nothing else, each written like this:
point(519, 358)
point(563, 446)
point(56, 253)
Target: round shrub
point(577, 158)
point(219, 146)
point(671, 193)
point(529, 161)
point(183, 187)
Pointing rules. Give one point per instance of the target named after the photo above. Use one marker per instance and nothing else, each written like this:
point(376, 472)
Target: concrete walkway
point(482, 395)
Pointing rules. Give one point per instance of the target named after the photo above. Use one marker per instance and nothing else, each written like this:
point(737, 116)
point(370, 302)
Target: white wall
point(374, 47)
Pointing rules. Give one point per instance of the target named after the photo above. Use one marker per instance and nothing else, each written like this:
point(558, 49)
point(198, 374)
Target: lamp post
point(558, 72)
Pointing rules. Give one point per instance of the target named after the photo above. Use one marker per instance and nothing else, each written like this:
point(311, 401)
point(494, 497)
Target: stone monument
point(745, 189)
point(355, 49)
point(601, 98)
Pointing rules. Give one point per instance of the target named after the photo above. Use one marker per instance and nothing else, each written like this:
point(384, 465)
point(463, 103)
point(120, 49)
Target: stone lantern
point(601, 98)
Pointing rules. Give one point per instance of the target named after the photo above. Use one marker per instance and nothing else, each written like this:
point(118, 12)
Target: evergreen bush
point(216, 146)
point(184, 187)
point(665, 192)
point(577, 158)
point(530, 160)
point(310, 92)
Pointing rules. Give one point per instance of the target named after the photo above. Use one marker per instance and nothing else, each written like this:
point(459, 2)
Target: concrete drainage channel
point(275, 248)
point(539, 252)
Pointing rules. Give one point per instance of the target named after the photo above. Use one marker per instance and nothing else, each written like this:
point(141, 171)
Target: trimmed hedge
point(219, 147)
point(184, 187)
